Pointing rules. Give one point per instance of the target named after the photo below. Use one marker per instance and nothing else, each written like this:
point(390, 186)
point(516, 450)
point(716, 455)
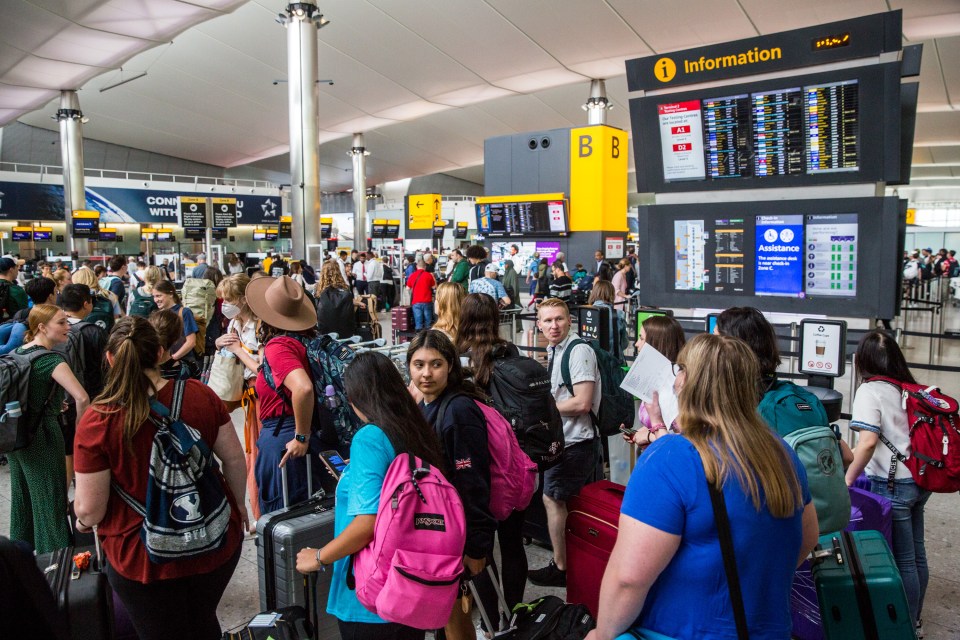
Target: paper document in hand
point(652, 371)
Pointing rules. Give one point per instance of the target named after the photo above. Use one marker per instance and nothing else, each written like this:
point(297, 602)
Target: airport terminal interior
point(799, 158)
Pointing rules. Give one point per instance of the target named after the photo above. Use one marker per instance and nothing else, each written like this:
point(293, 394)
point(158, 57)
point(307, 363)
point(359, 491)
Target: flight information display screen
point(826, 128)
point(527, 218)
point(19, 235)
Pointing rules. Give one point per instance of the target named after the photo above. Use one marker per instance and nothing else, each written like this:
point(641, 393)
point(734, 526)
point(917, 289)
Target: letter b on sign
point(586, 146)
point(614, 147)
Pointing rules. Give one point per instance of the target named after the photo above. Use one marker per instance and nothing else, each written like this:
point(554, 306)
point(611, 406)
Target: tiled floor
point(941, 613)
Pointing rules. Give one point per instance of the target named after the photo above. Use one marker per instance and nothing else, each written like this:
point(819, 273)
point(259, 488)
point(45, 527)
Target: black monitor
point(522, 218)
point(836, 256)
point(20, 235)
point(107, 236)
point(42, 236)
point(833, 127)
point(85, 227)
point(460, 233)
point(392, 230)
point(378, 230)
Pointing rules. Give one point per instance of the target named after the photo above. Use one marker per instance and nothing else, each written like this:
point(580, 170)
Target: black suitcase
point(83, 597)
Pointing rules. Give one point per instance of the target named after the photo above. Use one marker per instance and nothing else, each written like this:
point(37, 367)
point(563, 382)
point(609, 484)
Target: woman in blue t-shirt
point(394, 425)
point(666, 573)
point(183, 351)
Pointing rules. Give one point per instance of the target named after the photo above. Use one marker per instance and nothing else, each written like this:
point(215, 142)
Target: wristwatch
point(299, 437)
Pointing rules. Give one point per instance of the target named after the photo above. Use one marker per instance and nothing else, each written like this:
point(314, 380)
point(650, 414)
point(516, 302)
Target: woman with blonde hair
point(38, 472)
point(335, 303)
point(450, 296)
point(725, 461)
point(241, 340)
point(141, 298)
point(85, 276)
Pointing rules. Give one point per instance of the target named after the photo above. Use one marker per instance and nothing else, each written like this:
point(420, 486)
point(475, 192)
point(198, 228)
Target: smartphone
point(627, 431)
point(334, 462)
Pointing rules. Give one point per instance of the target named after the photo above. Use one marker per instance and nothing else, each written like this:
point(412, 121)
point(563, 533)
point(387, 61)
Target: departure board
point(728, 255)
point(726, 132)
point(833, 126)
point(525, 218)
point(778, 140)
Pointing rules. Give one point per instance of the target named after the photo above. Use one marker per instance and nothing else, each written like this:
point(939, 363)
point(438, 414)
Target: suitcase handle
point(286, 488)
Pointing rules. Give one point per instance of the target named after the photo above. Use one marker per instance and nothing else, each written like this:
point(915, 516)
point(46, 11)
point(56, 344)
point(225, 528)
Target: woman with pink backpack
point(394, 427)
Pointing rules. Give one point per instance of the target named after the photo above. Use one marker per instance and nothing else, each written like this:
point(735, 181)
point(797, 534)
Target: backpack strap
point(725, 535)
point(897, 455)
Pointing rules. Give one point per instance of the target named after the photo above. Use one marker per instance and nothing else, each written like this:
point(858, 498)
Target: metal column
point(302, 20)
point(71, 150)
point(359, 154)
point(597, 104)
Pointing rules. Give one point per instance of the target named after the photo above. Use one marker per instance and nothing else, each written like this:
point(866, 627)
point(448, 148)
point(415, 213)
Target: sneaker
point(549, 576)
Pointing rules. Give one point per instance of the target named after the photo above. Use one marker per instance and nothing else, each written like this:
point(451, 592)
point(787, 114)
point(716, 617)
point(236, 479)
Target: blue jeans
point(909, 550)
point(422, 315)
point(11, 336)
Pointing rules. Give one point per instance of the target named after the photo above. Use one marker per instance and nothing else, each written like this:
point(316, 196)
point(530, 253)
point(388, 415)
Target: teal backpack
point(102, 314)
point(616, 405)
point(799, 417)
point(141, 305)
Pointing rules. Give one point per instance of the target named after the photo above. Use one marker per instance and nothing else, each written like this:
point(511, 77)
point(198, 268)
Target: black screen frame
point(879, 132)
point(878, 268)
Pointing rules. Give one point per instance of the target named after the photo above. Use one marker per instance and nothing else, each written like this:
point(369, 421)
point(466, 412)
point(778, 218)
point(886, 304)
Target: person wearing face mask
point(240, 339)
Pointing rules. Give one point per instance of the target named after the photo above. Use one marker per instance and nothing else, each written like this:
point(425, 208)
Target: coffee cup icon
point(821, 347)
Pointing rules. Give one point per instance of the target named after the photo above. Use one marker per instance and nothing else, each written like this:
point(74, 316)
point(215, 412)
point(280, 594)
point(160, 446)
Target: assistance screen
point(779, 253)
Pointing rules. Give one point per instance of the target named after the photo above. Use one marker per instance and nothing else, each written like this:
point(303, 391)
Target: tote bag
point(226, 378)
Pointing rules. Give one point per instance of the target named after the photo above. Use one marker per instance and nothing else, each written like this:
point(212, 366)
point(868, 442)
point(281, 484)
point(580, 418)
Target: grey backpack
point(18, 432)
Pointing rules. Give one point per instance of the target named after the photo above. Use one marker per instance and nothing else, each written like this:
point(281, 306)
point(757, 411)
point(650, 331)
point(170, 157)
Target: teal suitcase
point(859, 588)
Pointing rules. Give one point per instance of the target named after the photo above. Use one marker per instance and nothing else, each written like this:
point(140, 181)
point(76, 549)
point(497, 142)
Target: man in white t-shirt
point(581, 459)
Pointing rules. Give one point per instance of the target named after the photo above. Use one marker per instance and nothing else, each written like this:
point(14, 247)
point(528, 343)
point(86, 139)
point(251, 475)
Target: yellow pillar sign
point(598, 179)
point(423, 210)
point(911, 216)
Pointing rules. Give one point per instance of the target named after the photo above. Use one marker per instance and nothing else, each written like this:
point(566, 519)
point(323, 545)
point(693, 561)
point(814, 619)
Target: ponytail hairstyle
point(375, 387)
point(167, 288)
point(134, 346)
point(39, 314)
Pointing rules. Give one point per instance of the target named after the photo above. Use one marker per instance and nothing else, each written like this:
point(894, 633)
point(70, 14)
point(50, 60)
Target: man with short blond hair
point(582, 459)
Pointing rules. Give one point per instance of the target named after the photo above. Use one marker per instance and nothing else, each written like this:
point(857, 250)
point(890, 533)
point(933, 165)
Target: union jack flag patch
point(462, 463)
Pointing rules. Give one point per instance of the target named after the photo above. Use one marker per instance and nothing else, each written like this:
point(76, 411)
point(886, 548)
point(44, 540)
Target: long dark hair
point(479, 334)
point(267, 332)
point(665, 334)
point(376, 389)
point(167, 287)
point(879, 355)
point(134, 345)
point(749, 325)
point(439, 342)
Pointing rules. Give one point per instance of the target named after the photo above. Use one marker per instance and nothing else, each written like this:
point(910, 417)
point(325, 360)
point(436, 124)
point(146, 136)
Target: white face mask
point(230, 311)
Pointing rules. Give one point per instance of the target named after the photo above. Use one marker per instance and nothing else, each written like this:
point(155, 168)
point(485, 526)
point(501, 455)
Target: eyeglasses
point(678, 368)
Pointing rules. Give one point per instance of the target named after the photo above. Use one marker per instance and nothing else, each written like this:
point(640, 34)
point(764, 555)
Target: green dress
point(38, 474)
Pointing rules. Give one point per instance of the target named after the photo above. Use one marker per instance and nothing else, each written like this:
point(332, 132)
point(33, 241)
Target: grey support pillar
point(71, 149)
point(359, 154)
point(597, 104)
point(302, 20)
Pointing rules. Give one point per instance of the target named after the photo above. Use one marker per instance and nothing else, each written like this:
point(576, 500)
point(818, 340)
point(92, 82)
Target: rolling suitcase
point(280, 536)
point(859, 588)
point(868, 511)
point(401, 318)
point(592, 525)
point(83, 596)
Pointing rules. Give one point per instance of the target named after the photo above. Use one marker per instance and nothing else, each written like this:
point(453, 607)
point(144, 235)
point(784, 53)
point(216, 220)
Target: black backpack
point(520, 388)
point(954, 268)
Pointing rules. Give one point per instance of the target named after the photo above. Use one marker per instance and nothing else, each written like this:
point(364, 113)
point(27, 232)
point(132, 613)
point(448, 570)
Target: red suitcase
point(401, 318)
point(592, 522)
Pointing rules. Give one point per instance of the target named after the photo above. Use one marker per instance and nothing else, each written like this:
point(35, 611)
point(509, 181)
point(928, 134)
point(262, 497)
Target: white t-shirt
point(877, 407)
point(248, 336)
point(583, 368)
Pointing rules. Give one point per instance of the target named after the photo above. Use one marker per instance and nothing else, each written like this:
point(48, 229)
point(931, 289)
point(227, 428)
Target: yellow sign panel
point(379, 221)
point(911, 216)
point(423, 210)
point(523, 197)
point(224, 201)
point(194, 199)
point(286, 218)
point(326, 220)
point(23, 228)
point(107, 230)
point(90, 215)
point(42, 229)
point(598, 179)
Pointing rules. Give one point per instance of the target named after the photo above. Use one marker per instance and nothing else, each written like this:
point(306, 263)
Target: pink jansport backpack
point(410, 572)
point(513, 475)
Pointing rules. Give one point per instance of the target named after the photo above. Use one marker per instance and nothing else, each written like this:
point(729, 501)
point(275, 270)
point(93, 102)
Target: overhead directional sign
point(193, 212)
point(286, 227)
point(224, 212)
point(423, 210)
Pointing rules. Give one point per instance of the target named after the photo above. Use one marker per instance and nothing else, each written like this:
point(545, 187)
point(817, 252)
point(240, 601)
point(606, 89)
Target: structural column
point(597, 104)
point(302, 20)
point(359, 154)
point(71, 149)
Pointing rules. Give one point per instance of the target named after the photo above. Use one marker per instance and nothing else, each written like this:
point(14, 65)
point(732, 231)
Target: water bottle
point(330, 398)
point(224, 353)
point(11, 410)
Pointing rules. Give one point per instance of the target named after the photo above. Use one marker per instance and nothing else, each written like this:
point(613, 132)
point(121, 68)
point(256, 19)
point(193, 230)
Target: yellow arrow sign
point(422, 210)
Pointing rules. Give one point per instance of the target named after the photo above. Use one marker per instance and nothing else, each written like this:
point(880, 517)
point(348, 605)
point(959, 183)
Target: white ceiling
point(426, 80)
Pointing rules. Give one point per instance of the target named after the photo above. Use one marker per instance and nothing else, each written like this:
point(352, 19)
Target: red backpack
point(934, 439)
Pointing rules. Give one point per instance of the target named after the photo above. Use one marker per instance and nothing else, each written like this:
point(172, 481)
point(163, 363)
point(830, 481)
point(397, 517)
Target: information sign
point(823, 347)
point(423, 210)
point(225, 212)
point(681, 141)
point(193, 212)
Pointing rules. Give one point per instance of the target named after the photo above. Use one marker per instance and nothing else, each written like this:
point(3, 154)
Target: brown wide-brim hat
point(281, 303)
